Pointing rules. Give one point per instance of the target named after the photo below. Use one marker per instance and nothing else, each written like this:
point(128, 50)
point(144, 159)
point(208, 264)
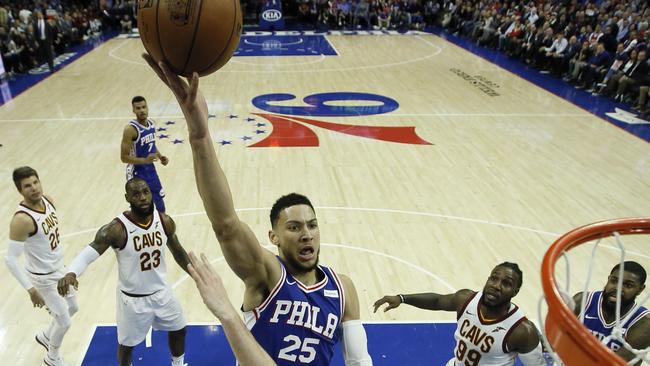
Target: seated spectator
point(632, 76)
point(600, 61)
point(126, 25)
point(555, 52)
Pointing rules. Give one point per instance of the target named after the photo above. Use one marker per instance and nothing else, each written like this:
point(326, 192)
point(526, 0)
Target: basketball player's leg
point(58, 308)
point(170, 317)
point(157, 192)
point(134, 318)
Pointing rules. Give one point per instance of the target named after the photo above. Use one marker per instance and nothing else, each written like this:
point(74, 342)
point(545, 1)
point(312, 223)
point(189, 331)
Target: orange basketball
point(190, 35)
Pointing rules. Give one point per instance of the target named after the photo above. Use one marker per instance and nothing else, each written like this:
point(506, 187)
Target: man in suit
point(44, 35)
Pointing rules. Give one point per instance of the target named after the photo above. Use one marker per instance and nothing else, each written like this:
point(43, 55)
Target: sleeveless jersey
point(42, 250)
point(143, 146)
point(483, 342)
point(299, 324)
point(595, 321)
point(145, 143)
point(141, 261)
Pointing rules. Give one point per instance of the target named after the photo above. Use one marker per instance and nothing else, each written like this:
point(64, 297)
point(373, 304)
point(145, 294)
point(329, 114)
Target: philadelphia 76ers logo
point(292, 128)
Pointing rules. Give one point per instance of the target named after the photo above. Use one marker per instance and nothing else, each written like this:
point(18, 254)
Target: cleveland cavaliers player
point(491, 330)
point(34, 230)
point(144, 298)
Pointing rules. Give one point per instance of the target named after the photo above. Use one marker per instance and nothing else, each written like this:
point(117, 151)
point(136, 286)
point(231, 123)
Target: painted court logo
point(292, 128)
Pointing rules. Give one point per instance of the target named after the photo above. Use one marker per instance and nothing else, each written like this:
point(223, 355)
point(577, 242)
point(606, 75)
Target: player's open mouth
point(490, 296)
point(306, 254)
point(611, 297)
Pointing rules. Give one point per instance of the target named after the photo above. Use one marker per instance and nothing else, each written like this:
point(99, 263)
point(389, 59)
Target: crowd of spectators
point(35, 32)
point(596, 45)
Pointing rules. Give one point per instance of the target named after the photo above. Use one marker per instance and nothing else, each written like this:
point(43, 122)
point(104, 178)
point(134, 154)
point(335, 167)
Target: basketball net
point(618, 331)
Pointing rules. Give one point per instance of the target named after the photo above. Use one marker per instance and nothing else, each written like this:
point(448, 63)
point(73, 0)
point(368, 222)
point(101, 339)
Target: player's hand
point(188, 95)
point(64, 283)
point(164, 160)
point(151, 158)
point(392, 301)
point(210, 286)
point(37, 299)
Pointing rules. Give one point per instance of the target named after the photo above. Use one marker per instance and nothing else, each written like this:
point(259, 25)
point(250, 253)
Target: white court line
point(397, 259)
point(384, 115)
point(84, 350)
point(332, 44)
point(320, 59)
point(281, 44)
point(318, 70)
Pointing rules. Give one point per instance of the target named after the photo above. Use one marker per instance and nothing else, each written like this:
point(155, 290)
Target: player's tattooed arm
point(429, 301)
point(638, 336)
point(179, 253)
point(111, 235)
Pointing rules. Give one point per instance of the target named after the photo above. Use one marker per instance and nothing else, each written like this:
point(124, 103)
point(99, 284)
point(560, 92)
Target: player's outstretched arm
point(429, 301)
point(247, 351)
point(109, 235)
point(180, 256)
point(354, 342)
point(19, 229)
point(525, 341)
point(241, 248)
point(638, 336)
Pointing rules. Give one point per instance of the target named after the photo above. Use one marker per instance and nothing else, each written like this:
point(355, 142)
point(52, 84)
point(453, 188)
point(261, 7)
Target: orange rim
point(569, 338)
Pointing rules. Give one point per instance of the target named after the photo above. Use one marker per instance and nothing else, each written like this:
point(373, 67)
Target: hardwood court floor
point(503, 176)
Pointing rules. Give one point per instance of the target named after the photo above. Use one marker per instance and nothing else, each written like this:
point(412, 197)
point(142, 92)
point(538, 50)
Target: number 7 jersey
point(298, 324)
point(141, 259)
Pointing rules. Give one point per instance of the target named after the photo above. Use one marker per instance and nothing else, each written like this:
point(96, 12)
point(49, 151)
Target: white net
point(587, 268)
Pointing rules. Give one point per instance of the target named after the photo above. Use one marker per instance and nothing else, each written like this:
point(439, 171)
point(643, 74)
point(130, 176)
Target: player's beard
point(611, 305)
point(301, 266)
point(142, 212)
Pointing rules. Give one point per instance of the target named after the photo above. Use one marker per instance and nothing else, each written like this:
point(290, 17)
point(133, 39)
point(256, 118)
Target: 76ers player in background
point(144, 298)
point(296, 309)
point(34, 230)
point(139, 151)
point(491, 330)
point(600, 310)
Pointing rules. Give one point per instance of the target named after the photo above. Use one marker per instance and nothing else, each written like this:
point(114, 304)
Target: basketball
point(190, 35)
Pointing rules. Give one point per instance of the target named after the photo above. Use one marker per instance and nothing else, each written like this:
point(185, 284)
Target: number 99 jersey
point(483, 342)
point(298, 324)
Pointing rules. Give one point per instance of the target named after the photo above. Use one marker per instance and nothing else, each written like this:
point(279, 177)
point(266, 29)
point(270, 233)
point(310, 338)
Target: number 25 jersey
point(298, 324)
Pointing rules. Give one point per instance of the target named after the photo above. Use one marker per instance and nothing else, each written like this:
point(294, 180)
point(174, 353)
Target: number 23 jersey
point(298, 324)
point(141, 261)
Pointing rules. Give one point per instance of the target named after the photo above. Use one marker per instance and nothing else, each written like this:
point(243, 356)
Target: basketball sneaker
point(42, 340)
point(49, 361)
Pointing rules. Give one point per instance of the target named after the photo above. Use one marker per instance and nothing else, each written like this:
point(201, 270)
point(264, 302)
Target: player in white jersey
point(491, 330)
point(144, 298)
point(34, 230)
